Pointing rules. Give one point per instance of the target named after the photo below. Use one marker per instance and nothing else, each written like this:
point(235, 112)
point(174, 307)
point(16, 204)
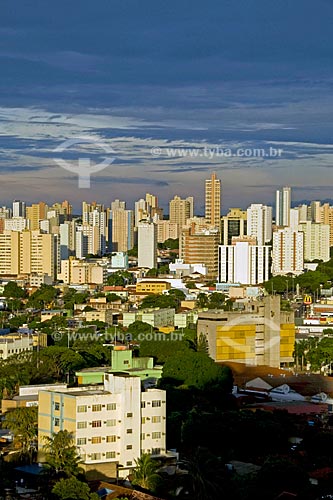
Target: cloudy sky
point(127, 76)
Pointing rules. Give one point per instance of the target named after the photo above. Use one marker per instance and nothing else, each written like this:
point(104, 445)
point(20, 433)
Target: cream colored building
point(288, 252)
point(213, 201)
point(80, 272)
point(35, 213)
point(166, 230)
point(28, 252)
point(111, 425)
point(122, 230)
point(180, 210)
point(316, 240)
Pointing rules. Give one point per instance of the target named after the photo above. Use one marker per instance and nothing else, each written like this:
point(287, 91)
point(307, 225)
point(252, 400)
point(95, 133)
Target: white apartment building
point(14, 344)
point(111, 425)
point(154, 317)
point(244, 262)
point(16, 224)
point(288, 251)
point(259, 223)
point(147, 245)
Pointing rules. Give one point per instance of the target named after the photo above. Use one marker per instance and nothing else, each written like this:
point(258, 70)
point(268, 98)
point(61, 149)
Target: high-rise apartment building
point(326, 217)
point(213, 201)
point(316, 240)
point(147, 244)
point(233, 224)
point(201, 248)
point(122, 230)
point(180, 210)
point(141, 211)
point(259, 223)
point(244, 262)
point(35, 213)
point(18, 208)
point(28, 252)
point(288, 251)
point(166, 230)
point(283, 205)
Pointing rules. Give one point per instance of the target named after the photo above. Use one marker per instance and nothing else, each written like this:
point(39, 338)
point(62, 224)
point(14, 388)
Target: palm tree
point(145, 474)
point(61, 455)
point(204, 477)
point(23, 423)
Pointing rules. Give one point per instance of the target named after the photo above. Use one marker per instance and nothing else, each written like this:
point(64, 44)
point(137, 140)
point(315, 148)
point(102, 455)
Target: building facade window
point(96, 407)
point(96, 423)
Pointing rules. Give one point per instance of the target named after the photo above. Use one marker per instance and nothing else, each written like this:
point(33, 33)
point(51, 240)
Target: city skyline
point(115, 75)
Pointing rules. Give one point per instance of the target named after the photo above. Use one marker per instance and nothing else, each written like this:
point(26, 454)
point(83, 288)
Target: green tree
point(23, 423)
point(156, 300)
point(202, 300)
point(61, 458)
point(44, 296)
point(145, 473)
point(193, 369)
point(216, 300)
point(206, 473)
point(13, 291)
point(73, 489)
point(152, 273)
point(170, 244)
point(138, 327)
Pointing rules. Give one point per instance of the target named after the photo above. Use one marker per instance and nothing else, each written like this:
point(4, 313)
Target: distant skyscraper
point(180, 210)
point(213, 201)
point(18, 208)
point(233, 224)
point(122, 230)
point(288, 251)
point(259, 223)
point(147, 244)
point(283, 205)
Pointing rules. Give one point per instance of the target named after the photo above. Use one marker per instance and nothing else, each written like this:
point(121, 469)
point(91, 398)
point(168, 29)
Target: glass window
point(111, 423)
point(96, 423)
point(57, 406)
point(95, 456)
point(96, 440)
point(110, 454)
point(81, 441)
point(111, 439)
point(96, 407)
point(129, 431)
point(82, 425)
point(156, 403)
point(111, 406)
point(156, 420)
point(156, 435)
point(81, 408)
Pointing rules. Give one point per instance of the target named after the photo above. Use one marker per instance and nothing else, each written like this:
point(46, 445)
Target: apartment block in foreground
point(112, 424)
